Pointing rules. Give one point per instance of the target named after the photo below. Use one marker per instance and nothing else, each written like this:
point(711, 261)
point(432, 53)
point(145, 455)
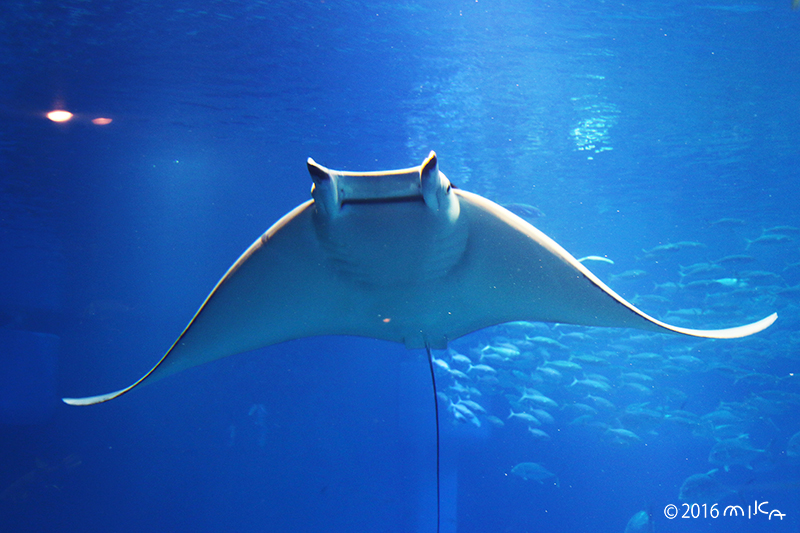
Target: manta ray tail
point(436, 410)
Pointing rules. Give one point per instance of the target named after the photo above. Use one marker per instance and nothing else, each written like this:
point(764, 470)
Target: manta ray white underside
point(401, 256)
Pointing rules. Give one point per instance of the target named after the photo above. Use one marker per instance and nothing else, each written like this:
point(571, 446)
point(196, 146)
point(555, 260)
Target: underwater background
point(662, 136)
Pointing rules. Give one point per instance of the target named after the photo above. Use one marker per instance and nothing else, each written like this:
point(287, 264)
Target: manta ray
point(402, 256)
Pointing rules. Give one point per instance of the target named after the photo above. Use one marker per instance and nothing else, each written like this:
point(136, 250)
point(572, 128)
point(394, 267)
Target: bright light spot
point(59, 115)
point(387, 320)
point(101, 121)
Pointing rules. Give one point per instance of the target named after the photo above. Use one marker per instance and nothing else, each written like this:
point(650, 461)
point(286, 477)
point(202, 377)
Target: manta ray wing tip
point(736, 332)
point(91, 400)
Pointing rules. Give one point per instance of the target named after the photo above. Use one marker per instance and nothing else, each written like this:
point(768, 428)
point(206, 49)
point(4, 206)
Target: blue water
point(629, 126)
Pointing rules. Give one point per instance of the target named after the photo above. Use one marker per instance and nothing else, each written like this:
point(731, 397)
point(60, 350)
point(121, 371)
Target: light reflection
point(59, 115)
point(62, 115)
point(592, 134)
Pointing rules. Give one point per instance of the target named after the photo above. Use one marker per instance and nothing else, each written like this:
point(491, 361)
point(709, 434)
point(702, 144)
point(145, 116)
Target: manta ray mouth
point(397, 200)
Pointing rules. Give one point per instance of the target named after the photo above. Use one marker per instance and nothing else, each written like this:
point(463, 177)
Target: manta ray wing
point(525, 275)
point(398, 256)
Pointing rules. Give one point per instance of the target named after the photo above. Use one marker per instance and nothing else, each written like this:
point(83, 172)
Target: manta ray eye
point(448, 189)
